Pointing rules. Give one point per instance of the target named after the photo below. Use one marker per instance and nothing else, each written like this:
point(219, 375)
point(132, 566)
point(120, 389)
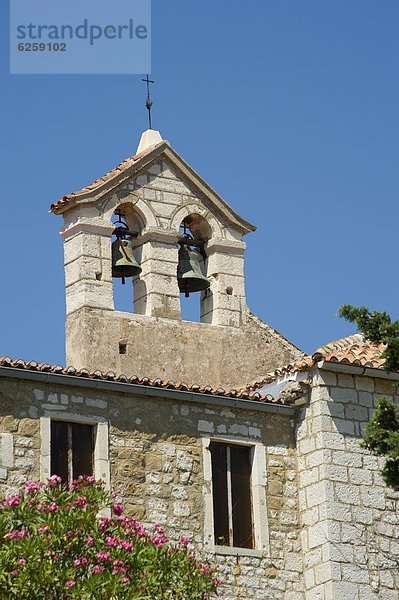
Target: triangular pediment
point(163, 170)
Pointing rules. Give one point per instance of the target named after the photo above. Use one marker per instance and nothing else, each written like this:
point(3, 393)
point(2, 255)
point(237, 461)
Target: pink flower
point(70, 583)
point(53, 506)
point(117, 509)
point(103, 556)
point(22, 561)
point(43, 529)
point(125, 580)
point(98, 569)
point(14, 573)
point(217, 582)
point(90, 541)
point(12, 501)
point(81, 501)
point(31, 486)
point(111, 541)
point(54, 480)
point(184, 541)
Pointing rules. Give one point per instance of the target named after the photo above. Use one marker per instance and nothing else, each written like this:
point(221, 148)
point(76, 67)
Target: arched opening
point(125, 259)
point(192, 269)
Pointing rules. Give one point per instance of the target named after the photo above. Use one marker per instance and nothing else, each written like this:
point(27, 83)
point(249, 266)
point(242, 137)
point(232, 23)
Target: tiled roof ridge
point(241, 394)
point(351, 350)
point(120, 168)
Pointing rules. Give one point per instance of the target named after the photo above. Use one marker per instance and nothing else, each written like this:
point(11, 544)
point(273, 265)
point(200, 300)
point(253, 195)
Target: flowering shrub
point(53, 546)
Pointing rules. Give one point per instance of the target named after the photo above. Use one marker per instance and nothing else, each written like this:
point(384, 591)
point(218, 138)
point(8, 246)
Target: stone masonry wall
point(179, 350)
point(349, 518)
point(156, 460)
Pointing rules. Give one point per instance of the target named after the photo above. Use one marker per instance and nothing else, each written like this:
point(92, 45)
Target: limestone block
point(344, 426)
point(357, 413)
point(163, 209)
point(334, 441)
point(338, 511)
point(160, 283)
point(161, 305)
point(318, 458)
point(162, 268)
point(317, 535)
point(346, 493)
point(206, 426)
point(7, 449)
point(168, 185)
point(373, 497)
point(93, 294)
point(225, 263)
point(316, 494)
point(84, 267)
point(342, 590)
point(343, 395)
point(365, 384)
point(223, 302)
point(366, 399)
point(82, 244)
point(385, 386)
point(172, 198)
point(227, 318)
point(325, 378)
point(309, 476)
point(360, 476)
point(335, 472)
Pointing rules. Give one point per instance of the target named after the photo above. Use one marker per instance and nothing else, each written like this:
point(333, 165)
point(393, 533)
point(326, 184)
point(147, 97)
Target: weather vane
point(148, 102)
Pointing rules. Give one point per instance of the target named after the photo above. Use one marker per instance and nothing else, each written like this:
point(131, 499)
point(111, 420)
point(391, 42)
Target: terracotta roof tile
point(352, 350)
point(120, 168)
point(208, 390)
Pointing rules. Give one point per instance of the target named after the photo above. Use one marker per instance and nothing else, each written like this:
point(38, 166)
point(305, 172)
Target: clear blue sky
point(288, 108)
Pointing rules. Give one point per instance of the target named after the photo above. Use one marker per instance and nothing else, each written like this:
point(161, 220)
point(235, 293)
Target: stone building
point(200, 426)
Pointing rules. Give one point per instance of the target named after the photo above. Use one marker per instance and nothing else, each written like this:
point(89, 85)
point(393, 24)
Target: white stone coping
point(225, 246)
point(233, 551)
point(84, 227)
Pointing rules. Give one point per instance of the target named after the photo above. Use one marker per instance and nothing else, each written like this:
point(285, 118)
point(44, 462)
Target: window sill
point(232, 551)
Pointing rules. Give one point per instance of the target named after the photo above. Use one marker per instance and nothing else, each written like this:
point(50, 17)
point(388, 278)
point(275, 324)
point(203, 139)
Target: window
point(231, 492)
point(72, 450)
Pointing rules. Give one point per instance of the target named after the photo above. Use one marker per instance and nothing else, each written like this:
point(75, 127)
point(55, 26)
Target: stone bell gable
point(158, 191)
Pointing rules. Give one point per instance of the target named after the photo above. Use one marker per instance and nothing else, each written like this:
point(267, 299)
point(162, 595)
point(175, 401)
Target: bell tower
point(181, 237)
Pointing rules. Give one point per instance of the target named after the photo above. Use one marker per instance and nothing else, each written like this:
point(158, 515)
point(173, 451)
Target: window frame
point(100, 426)
point(258, 498)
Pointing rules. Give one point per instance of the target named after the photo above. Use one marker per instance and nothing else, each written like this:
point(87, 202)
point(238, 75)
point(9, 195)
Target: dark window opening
point(231, 486)
point(72, 450)
point(122, 347)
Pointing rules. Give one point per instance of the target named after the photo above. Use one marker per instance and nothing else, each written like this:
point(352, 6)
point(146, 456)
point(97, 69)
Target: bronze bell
point(189, 273)
point(123, 261)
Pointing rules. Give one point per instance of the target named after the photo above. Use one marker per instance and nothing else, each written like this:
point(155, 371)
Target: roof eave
point(142, 390)
point(140, 164)
point(352, 369)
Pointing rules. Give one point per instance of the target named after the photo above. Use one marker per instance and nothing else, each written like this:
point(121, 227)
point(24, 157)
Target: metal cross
point(148, 102)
